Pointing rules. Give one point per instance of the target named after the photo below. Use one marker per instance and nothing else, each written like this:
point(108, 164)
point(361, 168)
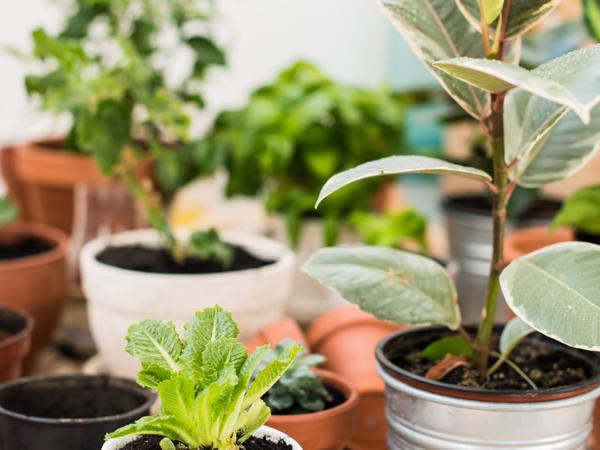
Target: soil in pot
point(157, 260)
point(336, 398)
point(262, 443)
point(23, 247)
point(549, 364)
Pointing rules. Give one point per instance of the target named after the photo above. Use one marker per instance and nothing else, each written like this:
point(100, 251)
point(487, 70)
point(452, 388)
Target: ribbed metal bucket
point(429, 415)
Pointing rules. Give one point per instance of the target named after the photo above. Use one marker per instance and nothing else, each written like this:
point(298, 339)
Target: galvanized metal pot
point(424, 414)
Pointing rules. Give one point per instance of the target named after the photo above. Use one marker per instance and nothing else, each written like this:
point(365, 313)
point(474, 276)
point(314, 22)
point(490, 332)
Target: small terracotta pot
point(273, 334)
point(42, 176)
point(528, 240)
point(326, 430)
point(348, 337)
point(37, 283)
point(15, 341)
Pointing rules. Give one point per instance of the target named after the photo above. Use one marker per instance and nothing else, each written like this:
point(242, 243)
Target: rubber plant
point(542, 125)
point(209, 395)
point(294, 133)
point(300, 390)
point(107, 71)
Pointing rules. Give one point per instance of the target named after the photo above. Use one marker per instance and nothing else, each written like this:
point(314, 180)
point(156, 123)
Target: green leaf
point(581, 211)
point(252, 419)
point(492, 9)
point(512, 334)
point(548, 140)
point(523, 15)
point(452, 345)
point(154, 342)
point(436, 30)
point(392, 285)
point(591, 9)
point(268, 376)
point(209, 246)
point(8, 211)
point(161, 425)
point(555, 291)
point(206, 51)
point(167, 444)
point(105, 132)
point(217, 355)
point(152, 375)
point(397, 165)
point(558, 80)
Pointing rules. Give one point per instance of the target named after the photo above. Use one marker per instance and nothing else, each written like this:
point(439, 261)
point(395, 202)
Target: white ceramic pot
point(118, 297)
point(117, 444)
point(310, 299)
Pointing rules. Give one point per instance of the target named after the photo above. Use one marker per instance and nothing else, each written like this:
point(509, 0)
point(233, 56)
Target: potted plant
point(315, 407)
point(291, 136)
point(15, 341)
point(210, 396)
point(106, 71)
point(67, 411)
point(33, 270)
point(488, 383)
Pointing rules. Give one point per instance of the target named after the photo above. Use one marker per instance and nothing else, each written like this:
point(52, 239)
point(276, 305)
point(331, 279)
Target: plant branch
point(504, 359)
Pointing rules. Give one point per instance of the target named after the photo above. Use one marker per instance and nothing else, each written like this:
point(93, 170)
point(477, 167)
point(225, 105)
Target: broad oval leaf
point(390, 284)
point(512, 334)
point(556, 291)
point(523, 15)
point(397, 165)
point(497, 76)
point(451, 345)
point(436, 30)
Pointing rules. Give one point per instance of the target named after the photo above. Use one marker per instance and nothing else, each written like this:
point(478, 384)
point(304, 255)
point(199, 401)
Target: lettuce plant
point(542, 125)
point(107, 70)
point(8, 211)
point(295, 133)
point(299, 390)
point(210, 395)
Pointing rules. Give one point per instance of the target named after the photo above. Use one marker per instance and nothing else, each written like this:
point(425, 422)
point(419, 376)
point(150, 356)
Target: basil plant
point(209, 392)
point(542, 125)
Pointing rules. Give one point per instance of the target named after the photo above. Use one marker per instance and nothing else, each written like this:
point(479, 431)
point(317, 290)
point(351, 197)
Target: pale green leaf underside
point(512, 334)
point(524, 14)
point(392, 285)
point(398, 165)
point(497, 76)
point(556, 291)
point(436, 30)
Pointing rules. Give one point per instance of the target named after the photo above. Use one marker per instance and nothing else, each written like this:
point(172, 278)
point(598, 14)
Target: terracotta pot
point(348, 337)
point(37, 283)
point(273, 334)
point(522, 242)
point(326, 430)
point(15, 341)
point(42, 176)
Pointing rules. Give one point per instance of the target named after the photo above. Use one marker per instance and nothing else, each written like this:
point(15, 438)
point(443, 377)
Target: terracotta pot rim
point(56, 237)
point(514, 241)
point(329, 378)
point(123, 382)
point(339, 319)
point(483, 395)
point(27, 330)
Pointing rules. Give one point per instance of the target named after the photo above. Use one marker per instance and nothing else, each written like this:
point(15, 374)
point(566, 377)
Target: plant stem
point(499, 203)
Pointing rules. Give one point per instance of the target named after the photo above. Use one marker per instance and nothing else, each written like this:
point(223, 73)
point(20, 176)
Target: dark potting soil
point(337, 398)
point(153, 443)
point(547, 367)
point(587, 237)
point(158, 260)
point(543, 208)
point(23, 248)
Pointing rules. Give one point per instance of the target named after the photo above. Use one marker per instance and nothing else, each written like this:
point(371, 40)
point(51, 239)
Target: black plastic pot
point(71, 412)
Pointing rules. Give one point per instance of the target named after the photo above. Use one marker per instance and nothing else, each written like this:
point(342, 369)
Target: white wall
point(347, 38)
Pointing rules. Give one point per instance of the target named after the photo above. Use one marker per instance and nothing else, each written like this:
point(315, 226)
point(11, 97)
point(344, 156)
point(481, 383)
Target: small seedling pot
point(67, 412)
point(275, 435)
point(347, 337)
point(119, 297)
point(36, 283)
point(325, 430)
point(432, 415)
point(522, 242)
point(15, 341)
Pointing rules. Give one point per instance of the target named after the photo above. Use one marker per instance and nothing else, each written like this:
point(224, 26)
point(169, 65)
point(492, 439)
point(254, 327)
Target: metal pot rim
point(390, 371)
